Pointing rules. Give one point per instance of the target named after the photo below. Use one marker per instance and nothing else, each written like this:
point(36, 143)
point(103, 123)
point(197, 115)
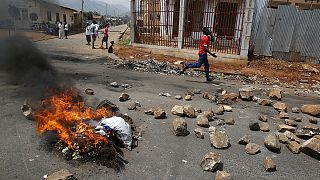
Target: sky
point(123, 2)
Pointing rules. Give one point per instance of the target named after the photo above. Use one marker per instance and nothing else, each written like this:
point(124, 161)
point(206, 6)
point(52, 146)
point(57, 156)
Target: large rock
point(124, 97)
point(203, 121)
point(311, 109)
point(223, 175)
point(199, 133)
point(177, 110)
point(254, 126)
point(208, 114)
point(219, 140)
point(294, 147)
point(269, 164)
point(284, 128)
point(252, 148)
point(180, 127)
point(280, 106)
point(63, 174)
point(211, 162)
point(312, 148)
point(264, 102)
point(189, 111)
point(275, 94)
point(283, 138)
point(246, 94)
point(272, 142)
point(244, 140)
point(264, 127)
point(159, 113)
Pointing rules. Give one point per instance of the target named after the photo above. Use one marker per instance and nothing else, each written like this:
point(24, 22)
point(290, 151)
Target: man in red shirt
point(105, 36)
point(203, 51)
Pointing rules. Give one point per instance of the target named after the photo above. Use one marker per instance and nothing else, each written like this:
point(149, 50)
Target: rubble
point(219, 140)
point(263, 118)
point(295, 110)
point(132, 106)
point(254, 126)
point(309, 68)
point(212, 129)
point(280, 106)
point(265, 102)
point(291, 136)
point(220, 110)
point(63, 174)
point(114, 84)
point(311, 109)
point(159, 113)
point(199, 133)
point(313, 121)
point(89, 91)
point(211, 162)
point(229, 121)
point(283, 115)
point(149, 112)
point(189, 111)
point(177, 110)
point(246, 94)
point(244, 140)
point(208, 114)
point(178, 97)
point(230, 96)
point(297, 119)
point(125, 86)
point(290, 122)
point(165, 94)
point(283, 138)
point(203, 121)
point(294, 147)
point(205, 95)
point(223, 175)
point(227, 108)
point(312, 148)
point(264, 127)
point(252, 148)
point(275, 94)
point(304, 133)
point(269, 164)
point(197, 91)
point(272, 142)
point(124, 97)
point(108, 105)
point(284, 128)
point(188, 98)
point(180, 127)
point(27, 110)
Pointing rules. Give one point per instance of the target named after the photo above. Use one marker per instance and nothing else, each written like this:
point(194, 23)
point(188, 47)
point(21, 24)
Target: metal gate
point(223, 17)
point(157, 22)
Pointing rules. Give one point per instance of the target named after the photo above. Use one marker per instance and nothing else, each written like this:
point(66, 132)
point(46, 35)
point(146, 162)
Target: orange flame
point(66, 114)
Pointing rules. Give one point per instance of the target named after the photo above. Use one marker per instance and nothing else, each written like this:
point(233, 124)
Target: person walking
point(93, 32)
point(105, 36)
point(203, 54)
point(60, 29)
point(88, 34)
point(66, 29)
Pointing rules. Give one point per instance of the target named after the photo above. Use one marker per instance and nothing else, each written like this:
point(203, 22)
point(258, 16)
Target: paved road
point(160, 154)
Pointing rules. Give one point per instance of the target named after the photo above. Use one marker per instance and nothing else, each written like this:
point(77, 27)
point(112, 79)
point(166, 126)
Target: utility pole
point(82, 13)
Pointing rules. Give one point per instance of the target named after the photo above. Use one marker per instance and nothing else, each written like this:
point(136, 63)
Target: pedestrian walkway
point(75, 46)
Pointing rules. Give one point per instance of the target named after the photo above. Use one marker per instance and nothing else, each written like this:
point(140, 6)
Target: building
point(31, 13)
point(177, 24)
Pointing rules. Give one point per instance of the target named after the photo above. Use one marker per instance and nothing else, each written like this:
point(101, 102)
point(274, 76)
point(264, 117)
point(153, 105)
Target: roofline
point(68, 8)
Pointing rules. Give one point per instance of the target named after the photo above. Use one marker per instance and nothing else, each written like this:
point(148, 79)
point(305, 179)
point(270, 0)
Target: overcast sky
point(123, 2)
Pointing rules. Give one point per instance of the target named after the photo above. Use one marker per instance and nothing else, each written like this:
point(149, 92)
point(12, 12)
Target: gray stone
point(230, 121)
point(165, 94)
point(159, 113)
point(254, 126)
point(177, 110)
point(272, 142)
point(311, 109)
point(125, 85)
point(264, 127)
point(188, 98)
point(211, 162)
point(294, 147)
point(132, 106)
point(223, 175)
point(269, 164)
point(63, 174)
point(295, 110)
point(256, 99)
point(124, 97)
point(203, 121)
point(114, 84)
point(227, 108)
point(263, 118)
point(252, 148)
point(180, 127)
point(197, 91)
point(189, 111)
point(208, 114)
point(246, 94)
point(212, 129)
point(283, 138)
point(283, 115)
point(178, 97)
point(275, 94)
point(220, 110)
point(244, 140)
point(27, 111)
point(312, 148)
point(199, 133)
point(219, 140)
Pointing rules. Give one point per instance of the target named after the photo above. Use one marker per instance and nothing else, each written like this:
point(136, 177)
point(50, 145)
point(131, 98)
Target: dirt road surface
point(160, 154)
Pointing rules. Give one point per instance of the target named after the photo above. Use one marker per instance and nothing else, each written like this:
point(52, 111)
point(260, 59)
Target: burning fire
point(66, 114)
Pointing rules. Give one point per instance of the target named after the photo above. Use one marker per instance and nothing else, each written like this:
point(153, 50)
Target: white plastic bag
point(121, 129)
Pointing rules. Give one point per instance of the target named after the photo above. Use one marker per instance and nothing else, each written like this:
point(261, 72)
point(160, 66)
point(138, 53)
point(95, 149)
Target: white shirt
point(97, 28)
point(88, 30)
point(66, 27)
point(93, 29)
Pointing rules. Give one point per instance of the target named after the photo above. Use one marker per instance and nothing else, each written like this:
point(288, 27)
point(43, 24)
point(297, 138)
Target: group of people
point(63, 29)
point(92, 33)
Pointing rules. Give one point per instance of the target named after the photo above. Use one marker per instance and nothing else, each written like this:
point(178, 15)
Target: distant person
point(60, 29)
point(93, 32)
point(88, 34)
point(110, 50)
point(105, 36)
point(203, 54)
point(97, 29)
point(66, 29)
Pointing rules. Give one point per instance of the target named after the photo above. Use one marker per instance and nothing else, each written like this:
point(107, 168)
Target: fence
point(157, 22)
point(287, 33)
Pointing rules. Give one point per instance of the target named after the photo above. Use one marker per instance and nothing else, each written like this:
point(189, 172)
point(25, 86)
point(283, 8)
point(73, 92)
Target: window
point(57, 17)
point(49, 16)
point(71, 18)
point(64, 18)
point(24, 13)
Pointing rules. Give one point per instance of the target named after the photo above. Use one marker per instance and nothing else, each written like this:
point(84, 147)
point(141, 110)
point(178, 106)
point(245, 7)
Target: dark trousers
point(203, 59)
point(66, 34)
point(88, 39)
